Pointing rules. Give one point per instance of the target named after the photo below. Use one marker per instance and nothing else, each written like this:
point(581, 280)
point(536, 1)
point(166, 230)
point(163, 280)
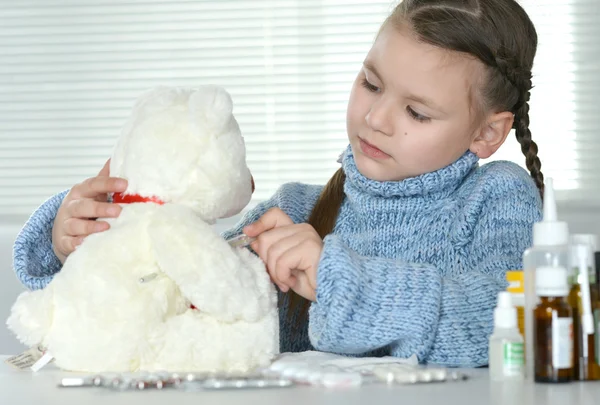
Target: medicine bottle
point(553, 327)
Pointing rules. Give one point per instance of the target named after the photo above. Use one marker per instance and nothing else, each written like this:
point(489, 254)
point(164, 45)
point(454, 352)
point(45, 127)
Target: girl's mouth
point(371, 150)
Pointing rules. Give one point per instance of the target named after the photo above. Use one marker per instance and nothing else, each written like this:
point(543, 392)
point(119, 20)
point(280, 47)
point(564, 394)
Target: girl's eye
point(369, 86)
point(416, 116)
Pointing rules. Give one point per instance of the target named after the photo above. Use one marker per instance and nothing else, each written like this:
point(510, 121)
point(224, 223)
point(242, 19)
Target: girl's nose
point(379, 118)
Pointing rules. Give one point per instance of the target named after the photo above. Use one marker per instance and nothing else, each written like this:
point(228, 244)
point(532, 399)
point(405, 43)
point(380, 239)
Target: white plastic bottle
point(550, 249)
point(506, 357)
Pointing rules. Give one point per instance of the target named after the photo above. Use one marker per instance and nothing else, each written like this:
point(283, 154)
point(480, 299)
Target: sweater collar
point(440, 182)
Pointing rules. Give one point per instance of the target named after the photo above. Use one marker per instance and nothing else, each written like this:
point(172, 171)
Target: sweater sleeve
point(34, 261)
point(444, 316)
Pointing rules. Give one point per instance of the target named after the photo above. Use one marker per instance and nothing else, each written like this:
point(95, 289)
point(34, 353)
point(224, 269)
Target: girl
point(405, 249)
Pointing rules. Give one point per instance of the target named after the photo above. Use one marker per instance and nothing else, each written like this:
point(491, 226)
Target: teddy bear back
point(184, 146)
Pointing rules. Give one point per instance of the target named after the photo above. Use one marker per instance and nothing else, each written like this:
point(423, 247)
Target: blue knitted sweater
point(412, 267)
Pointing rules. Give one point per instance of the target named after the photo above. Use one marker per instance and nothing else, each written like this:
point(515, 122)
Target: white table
point(25, 387)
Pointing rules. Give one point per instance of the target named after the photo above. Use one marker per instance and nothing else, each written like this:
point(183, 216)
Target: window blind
point(70, 71)
point(566, 78)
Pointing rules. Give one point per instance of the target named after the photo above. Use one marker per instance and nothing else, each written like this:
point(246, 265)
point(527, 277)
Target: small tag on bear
point(41, 363)
point(26, 359)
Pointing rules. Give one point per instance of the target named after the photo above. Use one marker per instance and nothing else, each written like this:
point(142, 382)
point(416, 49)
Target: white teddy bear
point(161, 290)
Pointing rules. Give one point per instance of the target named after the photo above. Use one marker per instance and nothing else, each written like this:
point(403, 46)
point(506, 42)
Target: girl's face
point(411, 107)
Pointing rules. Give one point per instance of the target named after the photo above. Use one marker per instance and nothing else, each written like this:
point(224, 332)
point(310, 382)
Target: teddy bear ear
point(157, 99)
point(153, 101)
point(212, 105)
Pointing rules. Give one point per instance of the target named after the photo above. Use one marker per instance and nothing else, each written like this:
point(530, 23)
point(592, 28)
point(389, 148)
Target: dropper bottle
point(550, 249)
point(506, 343)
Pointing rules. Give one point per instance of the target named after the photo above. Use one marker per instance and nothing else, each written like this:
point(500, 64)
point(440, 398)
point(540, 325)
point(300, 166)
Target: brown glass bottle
point(585, 346)
point(553, 327)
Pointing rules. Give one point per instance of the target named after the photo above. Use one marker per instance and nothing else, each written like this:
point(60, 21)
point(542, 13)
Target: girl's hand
point(84, 203)
point(290, 251)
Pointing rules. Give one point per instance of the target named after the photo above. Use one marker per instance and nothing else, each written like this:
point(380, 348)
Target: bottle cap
point(551, 282)
point(505, 314)
point(550, 231)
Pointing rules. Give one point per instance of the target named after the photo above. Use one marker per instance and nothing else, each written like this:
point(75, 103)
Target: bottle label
point(516, 287)
point(514, 359)
point(562, 342)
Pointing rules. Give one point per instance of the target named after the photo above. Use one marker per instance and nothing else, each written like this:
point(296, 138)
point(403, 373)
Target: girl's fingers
point(275, 251)
point(68, 244)
point(267, 239)
point(83, 227)
point(287, 262)
point(87, 208)
point(291, 264)
point(105, 171)
point(273, 218)
point(96, 186)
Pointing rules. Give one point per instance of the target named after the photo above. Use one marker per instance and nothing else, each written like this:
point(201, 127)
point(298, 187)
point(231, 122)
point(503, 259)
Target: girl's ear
point(492, 134)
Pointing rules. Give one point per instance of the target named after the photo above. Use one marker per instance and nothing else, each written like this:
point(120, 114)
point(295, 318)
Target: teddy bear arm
point(207, 271)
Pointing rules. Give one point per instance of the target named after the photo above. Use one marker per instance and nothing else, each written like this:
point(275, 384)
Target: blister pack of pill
point(405, 374)
point(179, 381)
point(334, 371)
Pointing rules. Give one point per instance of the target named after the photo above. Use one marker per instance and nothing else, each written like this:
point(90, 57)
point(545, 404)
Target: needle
point(240, 241)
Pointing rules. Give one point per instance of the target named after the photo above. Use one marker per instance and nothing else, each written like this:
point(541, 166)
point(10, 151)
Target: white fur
point(184, 147)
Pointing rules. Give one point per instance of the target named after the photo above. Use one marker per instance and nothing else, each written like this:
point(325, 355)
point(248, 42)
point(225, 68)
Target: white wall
point(580, 221)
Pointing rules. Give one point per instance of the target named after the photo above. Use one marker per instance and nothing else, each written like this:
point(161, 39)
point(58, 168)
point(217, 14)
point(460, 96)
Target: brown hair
point(497, 32)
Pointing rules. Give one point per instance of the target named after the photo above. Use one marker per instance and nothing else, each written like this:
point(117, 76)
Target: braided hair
point(520, 79)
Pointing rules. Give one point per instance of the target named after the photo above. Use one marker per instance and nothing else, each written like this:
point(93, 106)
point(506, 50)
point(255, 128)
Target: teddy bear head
point(184, 146)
